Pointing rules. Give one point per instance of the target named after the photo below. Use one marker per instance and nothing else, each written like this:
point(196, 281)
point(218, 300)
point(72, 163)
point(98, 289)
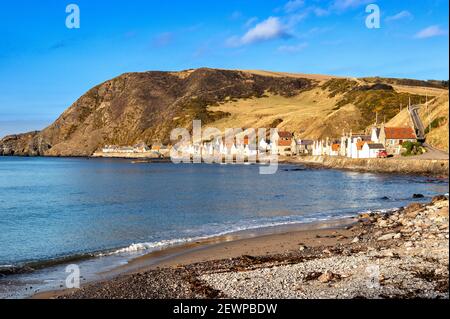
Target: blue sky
point(45, 67)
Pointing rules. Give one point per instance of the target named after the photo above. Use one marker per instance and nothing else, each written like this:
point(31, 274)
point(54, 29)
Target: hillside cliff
point(145, 107)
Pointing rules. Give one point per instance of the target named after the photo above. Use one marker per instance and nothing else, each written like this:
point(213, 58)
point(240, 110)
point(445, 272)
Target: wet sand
point(259, 242)
point(396, 254)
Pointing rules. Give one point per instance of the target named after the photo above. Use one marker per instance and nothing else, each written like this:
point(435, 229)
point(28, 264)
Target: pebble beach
point(399, 254)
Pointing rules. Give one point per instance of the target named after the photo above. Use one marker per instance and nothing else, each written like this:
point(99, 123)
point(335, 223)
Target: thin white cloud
point(400, 16)
point(250, 22)
point(336, 7)
point(293, 48)
point(269, 29)
point(293, 5)
point(294, 19)
point(342, 5)
point(431, 32)
point(320, 12)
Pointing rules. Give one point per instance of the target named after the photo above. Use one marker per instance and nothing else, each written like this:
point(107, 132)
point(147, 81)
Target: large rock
point(387, 237)
point(439, 199)
point(412, 210)
point(326, 277)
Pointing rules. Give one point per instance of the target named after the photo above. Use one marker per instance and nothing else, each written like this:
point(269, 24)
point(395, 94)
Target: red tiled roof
point(284, 134)
point(399, 133)
point(360, 145)
point(284, 143)
point(335, 147)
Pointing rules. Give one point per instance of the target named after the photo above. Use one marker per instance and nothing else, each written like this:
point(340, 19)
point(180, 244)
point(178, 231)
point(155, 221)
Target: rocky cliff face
point(144, 107)
point(28, 144)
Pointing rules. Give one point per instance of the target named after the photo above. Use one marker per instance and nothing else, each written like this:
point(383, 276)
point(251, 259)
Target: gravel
point(402, 254)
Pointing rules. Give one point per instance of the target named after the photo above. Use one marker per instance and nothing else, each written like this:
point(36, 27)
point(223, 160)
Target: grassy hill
point(145, 107)
point(333, 105)
point(434, 116)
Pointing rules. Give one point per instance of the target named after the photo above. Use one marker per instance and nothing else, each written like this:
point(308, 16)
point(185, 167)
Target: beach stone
point(394, 218)
point(443, 212)
point(383, 223)
point(387, 237)
point(412, 210)
point(364, 216)
point(326, 277)
point(387, 253)
point(438, 198)
point(418, 196)
point(406, 230)
point(355, 240)
point(416, 236)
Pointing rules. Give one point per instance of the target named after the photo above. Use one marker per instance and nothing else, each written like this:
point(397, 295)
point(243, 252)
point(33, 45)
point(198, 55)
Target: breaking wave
point(286, 221)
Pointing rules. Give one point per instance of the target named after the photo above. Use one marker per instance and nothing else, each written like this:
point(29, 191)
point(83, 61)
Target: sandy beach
point(401, 254)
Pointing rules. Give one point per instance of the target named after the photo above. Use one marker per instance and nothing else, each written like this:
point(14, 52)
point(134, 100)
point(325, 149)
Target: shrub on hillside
point(413, 148)
point(438, 122)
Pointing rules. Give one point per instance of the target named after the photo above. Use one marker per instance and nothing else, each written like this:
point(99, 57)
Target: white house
point(303, 147)
point(371, 150)
point(394, 137)
point(375, 137)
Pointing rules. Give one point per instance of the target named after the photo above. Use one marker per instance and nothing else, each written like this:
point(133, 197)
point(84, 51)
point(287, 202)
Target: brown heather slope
point(145, 107)
point(434, 117)
point(137, 107)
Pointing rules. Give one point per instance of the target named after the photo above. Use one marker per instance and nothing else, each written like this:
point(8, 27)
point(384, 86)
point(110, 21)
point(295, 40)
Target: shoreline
point(409, 245)
point(399, 166)
point(403, 166)
point(113, 262)
point(232, 245)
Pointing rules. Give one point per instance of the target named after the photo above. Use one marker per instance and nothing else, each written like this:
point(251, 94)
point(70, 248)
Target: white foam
point(291, 220)
point(288, 220)
point(147, 246)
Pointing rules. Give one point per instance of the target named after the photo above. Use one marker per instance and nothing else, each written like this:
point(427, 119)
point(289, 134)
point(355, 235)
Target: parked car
point(382, 154)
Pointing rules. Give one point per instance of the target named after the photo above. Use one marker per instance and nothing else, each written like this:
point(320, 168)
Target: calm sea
point(55, 208)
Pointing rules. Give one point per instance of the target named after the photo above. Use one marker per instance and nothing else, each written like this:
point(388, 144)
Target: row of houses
point(138, 149)
point(245, 147)
point(382, 141)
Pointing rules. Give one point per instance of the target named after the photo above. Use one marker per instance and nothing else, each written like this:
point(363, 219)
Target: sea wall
point(145, 155)
point(391, 165)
